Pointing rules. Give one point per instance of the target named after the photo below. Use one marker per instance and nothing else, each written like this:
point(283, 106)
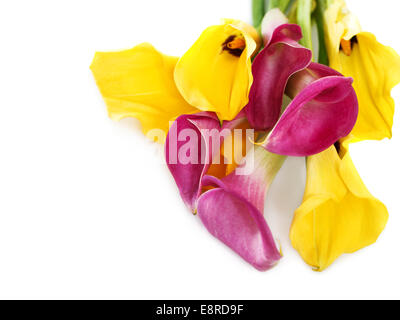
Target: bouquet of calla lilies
point(243, 99)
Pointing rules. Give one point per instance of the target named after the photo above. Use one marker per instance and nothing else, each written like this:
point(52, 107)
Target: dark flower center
point(347, 45)
point(234, 45)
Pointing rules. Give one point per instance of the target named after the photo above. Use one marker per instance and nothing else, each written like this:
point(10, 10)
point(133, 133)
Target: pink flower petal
point(188, 175)
point(322, 113)
point(233, 211)
point(273, 66)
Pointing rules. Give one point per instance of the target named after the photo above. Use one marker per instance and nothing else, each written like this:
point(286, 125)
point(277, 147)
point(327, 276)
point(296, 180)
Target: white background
point(87, 208)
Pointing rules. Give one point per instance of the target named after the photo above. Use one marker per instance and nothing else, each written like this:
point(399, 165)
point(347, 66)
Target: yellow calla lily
point(215, 74)
point(374, 67)
point(139, 83)
point(338, 214)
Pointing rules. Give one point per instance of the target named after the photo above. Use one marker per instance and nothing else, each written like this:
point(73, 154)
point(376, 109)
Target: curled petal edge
point(321, 114)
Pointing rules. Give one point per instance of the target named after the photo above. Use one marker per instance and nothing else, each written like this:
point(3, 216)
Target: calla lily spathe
point(215, 74)
point(188, 175)
point(190, 158)
point(338, 214)
point(282, 57)
point(374, 67)
point(324, 107)
point(139, 83)
point(233, 210)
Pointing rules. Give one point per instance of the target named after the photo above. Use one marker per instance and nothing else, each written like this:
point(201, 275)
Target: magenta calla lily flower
point(189, 152)
point(233, 211)
point(281, 58)
point(325, 108)
point(321, 114)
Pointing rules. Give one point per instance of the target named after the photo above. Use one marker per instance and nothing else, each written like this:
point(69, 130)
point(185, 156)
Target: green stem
point(319, 16)
point(304, 20)
point(281, 4)
point(258, 12)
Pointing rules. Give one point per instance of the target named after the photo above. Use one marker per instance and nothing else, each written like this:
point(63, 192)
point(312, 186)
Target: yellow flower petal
point(376, 70)
point(340, 24)
point(338, 214)
point(215, 74)
point(139, 83)
point(374, 67)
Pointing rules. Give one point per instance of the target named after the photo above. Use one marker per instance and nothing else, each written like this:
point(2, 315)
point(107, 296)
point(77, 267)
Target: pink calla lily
point(233, 211)
point(324, 107)
point(197, 150)
point(321, 114)
point(196, 139)
point(272, 68)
